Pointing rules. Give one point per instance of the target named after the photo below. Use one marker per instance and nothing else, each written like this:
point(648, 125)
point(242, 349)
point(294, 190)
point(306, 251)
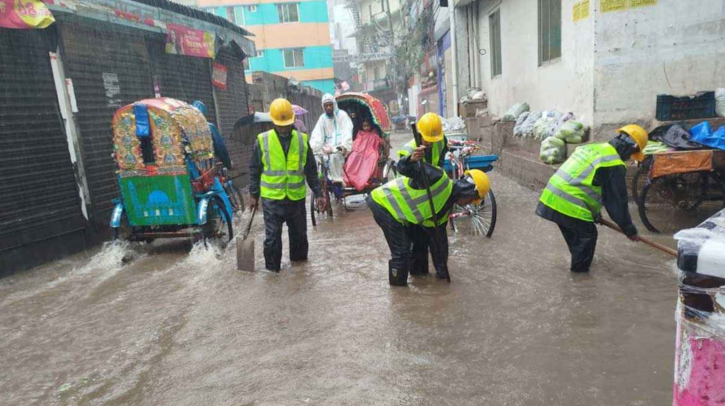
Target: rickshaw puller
point(404, 202)
point(281, 162)
point(332, 133)
point(593, 176)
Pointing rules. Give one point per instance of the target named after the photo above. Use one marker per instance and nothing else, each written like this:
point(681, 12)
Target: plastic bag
point(453, 124)
point(515, 111)
point(518, 131)
point(553, 151)
point(546, 125)
point(720, 102)
point(572, 132)
point(527, 128)
point(703, 134)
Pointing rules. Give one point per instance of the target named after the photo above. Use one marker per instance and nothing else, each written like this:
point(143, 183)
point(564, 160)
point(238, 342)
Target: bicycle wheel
point(218, 229)
point(477, 220)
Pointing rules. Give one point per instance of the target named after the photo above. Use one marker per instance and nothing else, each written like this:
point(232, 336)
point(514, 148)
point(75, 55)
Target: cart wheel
point(390, 171)
point(214, 231)
point(235, 197)
point(640, 179)
point(476, 219)
point(670, 194)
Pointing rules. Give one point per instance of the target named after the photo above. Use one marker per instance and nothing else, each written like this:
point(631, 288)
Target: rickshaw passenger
point(281, 162)
point(332, 131)
point(220, 146)
point(436, 143)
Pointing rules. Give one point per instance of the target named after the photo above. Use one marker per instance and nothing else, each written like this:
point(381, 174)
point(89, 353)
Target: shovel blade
point(245, 254)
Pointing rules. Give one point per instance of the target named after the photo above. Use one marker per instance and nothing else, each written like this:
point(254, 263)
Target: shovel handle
point(249, 225)
point(651, 243)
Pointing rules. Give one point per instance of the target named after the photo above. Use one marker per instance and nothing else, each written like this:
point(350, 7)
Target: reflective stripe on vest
point(571, 190)
point(283, 176)
point(407, 204)
point(408, 148)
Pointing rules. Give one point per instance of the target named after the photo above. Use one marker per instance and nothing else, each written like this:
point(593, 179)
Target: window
point(230, 15)
point(245, 63)
point(252, 9)
point(294, 58)
point(549, 30)
point(288, 12)
point(494, 23)
point(260, 54)
point(239, 15)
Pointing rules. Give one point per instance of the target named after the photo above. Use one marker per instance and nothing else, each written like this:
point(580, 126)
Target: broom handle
point(651, 243)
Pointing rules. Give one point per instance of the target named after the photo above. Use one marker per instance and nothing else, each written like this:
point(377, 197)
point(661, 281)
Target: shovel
point(651, 243)
point(245, 248)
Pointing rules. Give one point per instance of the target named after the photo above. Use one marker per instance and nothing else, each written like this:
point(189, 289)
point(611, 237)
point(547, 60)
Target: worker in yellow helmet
point(401, 208)
point(432, 150)
point(594, 176)
point(435, 144)
point(281, 163)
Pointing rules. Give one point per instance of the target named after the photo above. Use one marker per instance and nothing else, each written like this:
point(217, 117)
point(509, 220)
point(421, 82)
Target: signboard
point(219, 76)
point(24, 14)
point(616, 5)
point(581, 10)
point(182, 40)
point(362, 58)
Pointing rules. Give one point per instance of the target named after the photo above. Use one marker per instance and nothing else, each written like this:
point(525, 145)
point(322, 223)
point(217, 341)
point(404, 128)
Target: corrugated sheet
point(38, 191)
point(234, 104)
point(109, 66)
point(182, 77)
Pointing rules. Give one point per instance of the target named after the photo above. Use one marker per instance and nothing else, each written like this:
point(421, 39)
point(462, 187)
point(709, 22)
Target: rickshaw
point(171, 184)
point(359, 107)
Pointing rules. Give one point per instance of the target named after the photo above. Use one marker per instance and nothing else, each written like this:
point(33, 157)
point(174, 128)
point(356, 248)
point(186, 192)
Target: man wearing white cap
point(332, 136)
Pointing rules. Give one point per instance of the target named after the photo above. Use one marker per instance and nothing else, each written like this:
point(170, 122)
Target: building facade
point(292, 38)
point(604, 60)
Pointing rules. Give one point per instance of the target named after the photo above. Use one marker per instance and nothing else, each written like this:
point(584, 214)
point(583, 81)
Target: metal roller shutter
point(233, 104)
point(109, 66)
point(181, 77)
point(39, 197)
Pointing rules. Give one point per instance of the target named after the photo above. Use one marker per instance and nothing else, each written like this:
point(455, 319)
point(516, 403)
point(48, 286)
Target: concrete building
point(605, 60)
point(292, 38)
point(376, 41)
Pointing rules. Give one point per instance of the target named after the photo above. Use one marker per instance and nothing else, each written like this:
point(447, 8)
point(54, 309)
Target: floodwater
point(176, 326)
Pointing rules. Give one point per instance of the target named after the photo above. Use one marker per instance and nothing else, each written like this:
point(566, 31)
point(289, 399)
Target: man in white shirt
point(332, 136)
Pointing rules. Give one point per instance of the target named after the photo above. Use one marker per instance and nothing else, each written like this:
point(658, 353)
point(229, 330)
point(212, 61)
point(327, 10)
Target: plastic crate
point(670, 108)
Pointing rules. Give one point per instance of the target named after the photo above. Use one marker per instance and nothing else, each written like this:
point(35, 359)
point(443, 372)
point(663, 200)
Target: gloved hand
point(597, 218)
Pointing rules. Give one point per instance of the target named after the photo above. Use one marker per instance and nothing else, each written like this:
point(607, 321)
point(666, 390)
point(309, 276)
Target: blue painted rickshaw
point(170, 181)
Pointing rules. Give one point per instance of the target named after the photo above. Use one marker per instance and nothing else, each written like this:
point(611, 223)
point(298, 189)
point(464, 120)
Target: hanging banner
point(181, 40)
point(219, 76)
point(24, 14)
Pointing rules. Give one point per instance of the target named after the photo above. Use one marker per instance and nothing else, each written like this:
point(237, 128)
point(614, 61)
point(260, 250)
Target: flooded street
point(182, 327)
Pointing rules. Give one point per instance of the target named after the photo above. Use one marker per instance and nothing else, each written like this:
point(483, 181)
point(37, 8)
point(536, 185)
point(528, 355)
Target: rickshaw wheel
point(214, 230)
point(387, 170)
point(481, 219)
point(124, 231)
point(312, 211)
point(235, 198)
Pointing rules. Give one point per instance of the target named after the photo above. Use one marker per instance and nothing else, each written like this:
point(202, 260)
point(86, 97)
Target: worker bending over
point(281, 162)
point(593, 176)
point(403, 202)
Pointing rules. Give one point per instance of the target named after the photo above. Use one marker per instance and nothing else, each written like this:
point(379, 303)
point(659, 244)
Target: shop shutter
point(39, 196)
point(109, 66)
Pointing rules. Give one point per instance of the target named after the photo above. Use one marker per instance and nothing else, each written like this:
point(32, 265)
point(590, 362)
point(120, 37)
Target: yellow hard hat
point(640, 136)
point(282, 113)
point(483, 184)
point(430, 127)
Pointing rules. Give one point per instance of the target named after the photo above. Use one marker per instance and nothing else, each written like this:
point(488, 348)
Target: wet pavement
point(182, 327)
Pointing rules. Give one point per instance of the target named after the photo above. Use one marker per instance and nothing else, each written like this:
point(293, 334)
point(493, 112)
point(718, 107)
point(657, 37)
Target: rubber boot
point(397, 277)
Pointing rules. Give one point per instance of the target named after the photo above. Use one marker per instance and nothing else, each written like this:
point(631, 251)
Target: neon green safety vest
point(435, 153)
point(411, 205)
point(283, 177)
point(570, 191)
